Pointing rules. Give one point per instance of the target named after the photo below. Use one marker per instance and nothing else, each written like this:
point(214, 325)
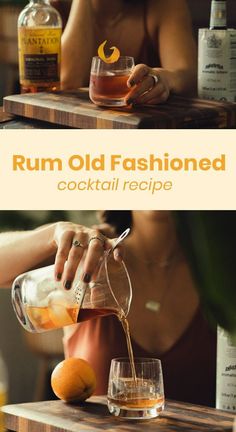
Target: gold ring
point(98, 238)
point(77, 243)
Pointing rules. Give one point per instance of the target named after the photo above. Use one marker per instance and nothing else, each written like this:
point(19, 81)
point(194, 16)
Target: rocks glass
point(140, 397)
point(108, 81)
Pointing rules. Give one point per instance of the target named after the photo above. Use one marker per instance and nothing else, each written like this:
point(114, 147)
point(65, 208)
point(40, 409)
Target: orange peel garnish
point(113, 57)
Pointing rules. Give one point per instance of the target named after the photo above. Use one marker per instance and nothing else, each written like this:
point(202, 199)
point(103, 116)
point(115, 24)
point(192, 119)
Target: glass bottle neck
point(42, 2)
point(218, 18)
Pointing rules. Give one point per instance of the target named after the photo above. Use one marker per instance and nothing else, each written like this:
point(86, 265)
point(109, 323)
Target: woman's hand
point(74, 242)
point(148, 86)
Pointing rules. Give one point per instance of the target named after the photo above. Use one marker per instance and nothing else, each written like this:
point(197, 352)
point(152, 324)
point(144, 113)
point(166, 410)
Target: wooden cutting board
point(4, 117)
point(93, 416)
point(74, 109)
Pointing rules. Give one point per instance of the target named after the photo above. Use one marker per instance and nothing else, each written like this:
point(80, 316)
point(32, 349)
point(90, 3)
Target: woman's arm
point(77, 46)
point(24, 250)
point(64, 243)
point(177, 50)
point(177, 47)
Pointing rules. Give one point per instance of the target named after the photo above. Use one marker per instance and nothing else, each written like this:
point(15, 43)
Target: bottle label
point(39, 55)
point(3, 401)
point(217, 65)
point(226, 372)
point(218, 14)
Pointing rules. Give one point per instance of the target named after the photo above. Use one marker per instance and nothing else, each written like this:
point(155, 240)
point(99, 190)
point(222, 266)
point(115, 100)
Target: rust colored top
point(189, 367)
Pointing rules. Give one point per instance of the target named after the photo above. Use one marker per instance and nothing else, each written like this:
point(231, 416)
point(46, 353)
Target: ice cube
point(46, 286)
point(58, 305)
point(39, 317)
point(59, 315)
point(109, 73)
point(59, 297)
point(37, 293)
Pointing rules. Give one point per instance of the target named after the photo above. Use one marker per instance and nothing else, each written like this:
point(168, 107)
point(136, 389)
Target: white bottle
point(216, 69)
point(216, 57)
point(3, 389)
point(226, 371)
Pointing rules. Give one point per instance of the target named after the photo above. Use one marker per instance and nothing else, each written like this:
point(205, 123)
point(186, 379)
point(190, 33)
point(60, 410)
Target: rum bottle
point(3, 390)
point(39, 43)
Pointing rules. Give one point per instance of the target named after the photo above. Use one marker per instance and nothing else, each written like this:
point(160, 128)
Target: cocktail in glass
point(108, 81)
point(139, 397)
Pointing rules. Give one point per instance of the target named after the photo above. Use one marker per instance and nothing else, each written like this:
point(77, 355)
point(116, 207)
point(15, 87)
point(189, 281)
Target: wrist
point(168, 77)
point(46, 238)
point(52, 244)
point(180, 81)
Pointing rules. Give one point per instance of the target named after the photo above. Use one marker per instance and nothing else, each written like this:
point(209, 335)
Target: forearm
point(77, 45)
point(177, 47)
point(21, 251)
point(180, 66)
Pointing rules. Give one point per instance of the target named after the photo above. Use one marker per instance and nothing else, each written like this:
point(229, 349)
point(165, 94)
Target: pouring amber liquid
point(49, 318)
point(57, 316)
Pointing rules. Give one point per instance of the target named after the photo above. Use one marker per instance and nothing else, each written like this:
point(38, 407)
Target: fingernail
point(86, 278)
point(68, 285)
point(131, 83)
point(59, 275)
point(130, 101)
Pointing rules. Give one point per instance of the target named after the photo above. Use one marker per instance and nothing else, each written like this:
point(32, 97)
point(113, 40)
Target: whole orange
point(73, 380)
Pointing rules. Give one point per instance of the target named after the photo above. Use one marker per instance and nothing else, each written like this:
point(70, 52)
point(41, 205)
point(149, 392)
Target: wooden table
point(74, 110)
point(93, 416)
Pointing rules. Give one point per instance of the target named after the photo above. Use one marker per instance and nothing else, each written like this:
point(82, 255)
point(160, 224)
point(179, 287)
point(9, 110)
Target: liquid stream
point(57, 316)
point(125, 325)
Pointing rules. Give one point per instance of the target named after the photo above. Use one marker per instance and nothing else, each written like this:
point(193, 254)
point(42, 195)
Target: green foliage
point(23, 220)
point(13, 2)
point(209, 240)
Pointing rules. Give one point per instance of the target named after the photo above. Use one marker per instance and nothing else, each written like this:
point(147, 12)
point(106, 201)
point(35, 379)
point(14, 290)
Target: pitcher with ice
point(41, 303)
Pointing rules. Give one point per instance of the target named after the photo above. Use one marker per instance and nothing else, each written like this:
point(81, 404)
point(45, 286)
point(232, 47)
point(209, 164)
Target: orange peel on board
point(114, 57)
